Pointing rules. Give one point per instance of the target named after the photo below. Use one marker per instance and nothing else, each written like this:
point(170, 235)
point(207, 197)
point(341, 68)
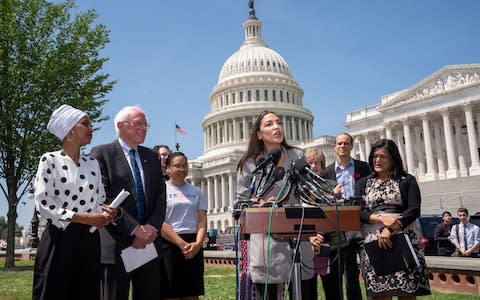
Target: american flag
point(179, 129)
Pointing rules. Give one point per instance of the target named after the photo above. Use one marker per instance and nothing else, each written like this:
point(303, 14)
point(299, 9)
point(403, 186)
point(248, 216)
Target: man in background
point(442, 235)
point(465, 236)
point(163, 151)
point(346, 171)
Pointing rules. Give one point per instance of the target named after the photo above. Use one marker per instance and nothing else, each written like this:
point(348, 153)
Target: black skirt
point(67, 264)
point(181, 277)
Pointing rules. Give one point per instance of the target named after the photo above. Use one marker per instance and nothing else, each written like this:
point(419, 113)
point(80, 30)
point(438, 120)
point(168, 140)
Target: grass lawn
point(219, 284)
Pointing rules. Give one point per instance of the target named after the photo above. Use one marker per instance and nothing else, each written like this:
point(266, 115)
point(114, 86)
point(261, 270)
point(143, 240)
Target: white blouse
point(63, 188)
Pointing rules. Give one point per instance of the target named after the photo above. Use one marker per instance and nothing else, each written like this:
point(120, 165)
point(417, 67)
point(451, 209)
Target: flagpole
point(177, 146)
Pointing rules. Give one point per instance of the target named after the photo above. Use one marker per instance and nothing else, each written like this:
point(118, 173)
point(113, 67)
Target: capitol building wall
point(435, 123)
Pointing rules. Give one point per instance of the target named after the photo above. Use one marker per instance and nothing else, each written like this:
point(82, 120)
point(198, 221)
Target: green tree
point(4, 226)
point(48, 57)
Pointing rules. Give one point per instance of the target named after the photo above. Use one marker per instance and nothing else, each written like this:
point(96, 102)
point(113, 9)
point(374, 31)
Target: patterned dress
point(401, 283)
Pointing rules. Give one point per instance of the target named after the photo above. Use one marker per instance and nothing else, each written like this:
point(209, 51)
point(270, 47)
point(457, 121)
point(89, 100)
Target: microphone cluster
point(308, 186)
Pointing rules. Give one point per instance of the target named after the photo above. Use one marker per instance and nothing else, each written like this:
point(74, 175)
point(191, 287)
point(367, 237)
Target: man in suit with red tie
point(127, 165)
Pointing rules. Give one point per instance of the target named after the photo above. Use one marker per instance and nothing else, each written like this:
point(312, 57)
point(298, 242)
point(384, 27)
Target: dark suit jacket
point(360, 167)
point(117, 175)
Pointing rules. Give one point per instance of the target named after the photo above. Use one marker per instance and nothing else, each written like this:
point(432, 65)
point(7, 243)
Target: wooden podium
point(287, 221)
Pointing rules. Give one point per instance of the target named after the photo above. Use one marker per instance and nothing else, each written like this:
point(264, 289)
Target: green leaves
point(48, 57)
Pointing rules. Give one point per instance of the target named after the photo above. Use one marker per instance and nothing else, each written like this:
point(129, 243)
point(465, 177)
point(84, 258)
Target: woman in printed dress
point(391, 205)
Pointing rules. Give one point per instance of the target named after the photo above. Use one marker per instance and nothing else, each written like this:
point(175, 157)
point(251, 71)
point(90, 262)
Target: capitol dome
point(253, 79)
point(254, 58)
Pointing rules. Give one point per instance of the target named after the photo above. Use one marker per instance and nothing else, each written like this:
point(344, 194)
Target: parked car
point(428, 224)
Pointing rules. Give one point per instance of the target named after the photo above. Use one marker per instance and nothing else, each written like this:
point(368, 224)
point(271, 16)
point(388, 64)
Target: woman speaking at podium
point(268, 134)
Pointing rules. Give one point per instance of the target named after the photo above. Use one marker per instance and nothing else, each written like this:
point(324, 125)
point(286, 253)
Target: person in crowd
point(316, 160)
point(268, 134)
point(442, 235)
point(391, 205)
point(69, 195)
point(127, 165)
point(346, 171)
point(163, 152)
point(184, 232)
point(465, 236)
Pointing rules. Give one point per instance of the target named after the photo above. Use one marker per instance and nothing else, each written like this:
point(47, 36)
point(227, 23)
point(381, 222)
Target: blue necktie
point(465, 236)
point(138, 186)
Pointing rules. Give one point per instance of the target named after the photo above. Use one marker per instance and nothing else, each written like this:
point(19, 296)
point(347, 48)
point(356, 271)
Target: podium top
point(287, 221)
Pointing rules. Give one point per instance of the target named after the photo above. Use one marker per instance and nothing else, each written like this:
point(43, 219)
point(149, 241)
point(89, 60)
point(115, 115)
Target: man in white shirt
point(465, 236)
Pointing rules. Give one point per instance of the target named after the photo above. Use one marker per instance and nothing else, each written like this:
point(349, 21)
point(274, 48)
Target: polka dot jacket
point(63, 188)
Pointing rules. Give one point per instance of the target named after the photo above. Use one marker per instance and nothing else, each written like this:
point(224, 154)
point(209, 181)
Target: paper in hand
point(135, 258)
point(115, 203)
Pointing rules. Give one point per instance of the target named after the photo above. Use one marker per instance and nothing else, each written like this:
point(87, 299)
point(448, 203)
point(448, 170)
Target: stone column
point(235, 130)
point(439, 150)
point(388, 131)
point(202, 187)
point(381, 133)
point(217, 201)
point(427, 138)
point(231, 190)
point(225, 137)
point(210, 195)
point(361, 149)
point(472, 140)
point(368, 145)
point(460, 143)
point(478, 125)
point(409, 147)
point(224, 192)
point(245, 129)
point(300, 130)
point(285, 128)
point(401, 146)
point(294, 129)
point(418, 150)
point(452, 171)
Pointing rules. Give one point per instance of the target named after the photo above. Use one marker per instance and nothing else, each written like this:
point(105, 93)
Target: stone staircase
point(450, 194)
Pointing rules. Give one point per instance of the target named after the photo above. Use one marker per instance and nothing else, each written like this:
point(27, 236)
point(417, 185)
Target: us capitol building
point(435, 123)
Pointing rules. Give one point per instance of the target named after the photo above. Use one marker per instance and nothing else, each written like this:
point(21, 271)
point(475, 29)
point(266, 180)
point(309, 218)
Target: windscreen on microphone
point(275, 154)
point(277, 174)
point(259, 159)
point(272, 158)
point(300, 164)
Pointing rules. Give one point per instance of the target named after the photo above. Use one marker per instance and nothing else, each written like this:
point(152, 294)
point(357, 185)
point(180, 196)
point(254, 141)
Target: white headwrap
point(63, 119)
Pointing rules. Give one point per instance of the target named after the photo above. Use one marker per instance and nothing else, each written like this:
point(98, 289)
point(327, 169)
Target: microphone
point(272, 157)
point(258, 160)
point(276, 175)
point(307, 182)
point(325, 185)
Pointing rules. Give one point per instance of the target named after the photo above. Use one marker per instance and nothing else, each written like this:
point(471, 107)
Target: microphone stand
point(339, 255)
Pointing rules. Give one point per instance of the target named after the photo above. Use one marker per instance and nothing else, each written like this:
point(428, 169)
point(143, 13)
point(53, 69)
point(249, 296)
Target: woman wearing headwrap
point(69, 195)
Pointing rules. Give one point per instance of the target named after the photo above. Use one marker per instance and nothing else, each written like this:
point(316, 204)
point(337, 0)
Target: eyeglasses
point(179, 166)
point(138, 124)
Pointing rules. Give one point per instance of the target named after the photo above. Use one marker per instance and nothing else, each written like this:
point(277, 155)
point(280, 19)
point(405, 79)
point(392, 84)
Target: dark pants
point(309, 289)
point(332, 282)
point(145, 281)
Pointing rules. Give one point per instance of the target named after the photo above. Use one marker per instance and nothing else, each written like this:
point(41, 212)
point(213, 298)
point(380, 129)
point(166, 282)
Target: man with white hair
point(127, 165)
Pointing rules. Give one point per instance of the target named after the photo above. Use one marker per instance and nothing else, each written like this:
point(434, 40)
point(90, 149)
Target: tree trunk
point(11, 221)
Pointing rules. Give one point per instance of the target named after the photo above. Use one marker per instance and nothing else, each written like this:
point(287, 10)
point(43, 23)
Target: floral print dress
point(401, 283)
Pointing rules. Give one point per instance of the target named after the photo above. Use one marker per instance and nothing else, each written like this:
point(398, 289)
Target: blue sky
point(166, 56)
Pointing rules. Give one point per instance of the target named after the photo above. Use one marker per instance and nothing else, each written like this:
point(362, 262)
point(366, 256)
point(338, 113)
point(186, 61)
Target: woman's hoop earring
point(68, 136)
